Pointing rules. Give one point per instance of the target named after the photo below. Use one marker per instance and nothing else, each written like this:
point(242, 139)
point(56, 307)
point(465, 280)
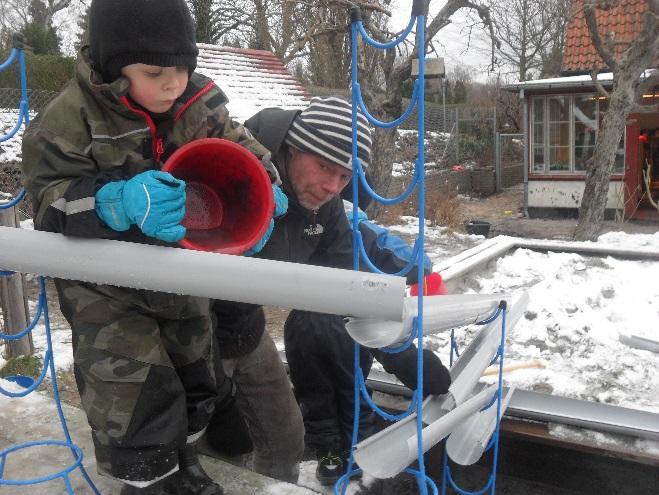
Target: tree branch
point(598, 85)
point(590, 16)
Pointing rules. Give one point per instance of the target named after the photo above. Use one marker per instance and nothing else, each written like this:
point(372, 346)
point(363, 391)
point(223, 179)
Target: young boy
point(91, 162)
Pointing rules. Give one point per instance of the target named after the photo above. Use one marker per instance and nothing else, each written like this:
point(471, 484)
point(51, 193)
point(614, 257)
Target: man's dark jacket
point(322, 237)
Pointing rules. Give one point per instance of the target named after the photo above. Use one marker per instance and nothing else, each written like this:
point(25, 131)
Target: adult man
point(312, 152)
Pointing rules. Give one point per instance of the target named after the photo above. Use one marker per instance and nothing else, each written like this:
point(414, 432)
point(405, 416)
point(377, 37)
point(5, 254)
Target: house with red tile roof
point(562, 118)
point(252, 79)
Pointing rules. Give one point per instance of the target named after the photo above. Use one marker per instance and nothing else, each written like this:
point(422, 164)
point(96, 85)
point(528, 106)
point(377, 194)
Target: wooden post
point(12, 300)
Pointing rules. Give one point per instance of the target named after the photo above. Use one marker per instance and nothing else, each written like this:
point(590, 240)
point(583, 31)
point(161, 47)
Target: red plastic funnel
point(229, 200)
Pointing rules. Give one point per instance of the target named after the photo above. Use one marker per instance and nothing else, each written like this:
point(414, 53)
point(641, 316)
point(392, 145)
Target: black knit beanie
point(153, 32)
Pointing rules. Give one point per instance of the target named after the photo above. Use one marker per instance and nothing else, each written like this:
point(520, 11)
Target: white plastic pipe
point(440, 313)
point(468, 441)
point(469, 367)
point(388, 452)
point(196, 273)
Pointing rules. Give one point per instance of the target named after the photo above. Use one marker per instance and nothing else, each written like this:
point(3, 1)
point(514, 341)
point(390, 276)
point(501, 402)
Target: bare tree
point(387, 105)
point(382, 73)
point(530, 31)
point(213, 21)
point(628, 62)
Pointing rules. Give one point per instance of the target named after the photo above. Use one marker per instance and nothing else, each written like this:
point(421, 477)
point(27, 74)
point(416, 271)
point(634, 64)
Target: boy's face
point(154, 87)
point(314, 179)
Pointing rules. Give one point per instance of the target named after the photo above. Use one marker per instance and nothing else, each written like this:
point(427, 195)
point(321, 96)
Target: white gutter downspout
point(196, 273)
point(527, 137)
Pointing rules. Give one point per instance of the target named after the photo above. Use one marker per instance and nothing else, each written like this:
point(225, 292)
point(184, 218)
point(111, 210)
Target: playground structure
point(28, 384)
point(373, 295)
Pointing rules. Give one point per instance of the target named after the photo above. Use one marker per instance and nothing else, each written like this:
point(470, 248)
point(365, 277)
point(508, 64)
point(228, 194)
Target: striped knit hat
point(325, 128)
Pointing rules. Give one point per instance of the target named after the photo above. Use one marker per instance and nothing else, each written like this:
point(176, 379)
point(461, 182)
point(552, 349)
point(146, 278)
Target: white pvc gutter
point(440, 313)
point(196, 273)
point(389, 451)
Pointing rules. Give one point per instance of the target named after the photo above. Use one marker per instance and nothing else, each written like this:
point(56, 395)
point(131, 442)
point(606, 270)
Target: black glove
point(227, 432)
point(436, 378)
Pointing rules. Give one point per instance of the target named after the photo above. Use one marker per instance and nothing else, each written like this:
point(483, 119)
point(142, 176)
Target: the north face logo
point(314, 229)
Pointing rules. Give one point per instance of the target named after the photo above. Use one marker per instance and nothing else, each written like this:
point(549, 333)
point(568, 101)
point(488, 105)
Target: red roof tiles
point(624, 19)
point(252, 79)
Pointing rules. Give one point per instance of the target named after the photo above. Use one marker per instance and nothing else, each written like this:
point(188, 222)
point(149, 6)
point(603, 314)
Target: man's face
point(154, 87)
point(314, 179)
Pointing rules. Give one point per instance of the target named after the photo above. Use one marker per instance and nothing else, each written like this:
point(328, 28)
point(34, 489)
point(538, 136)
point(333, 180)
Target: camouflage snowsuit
point(141, 358)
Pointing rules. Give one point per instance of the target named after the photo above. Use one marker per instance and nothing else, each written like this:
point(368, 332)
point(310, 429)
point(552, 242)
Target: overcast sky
point(453, 42)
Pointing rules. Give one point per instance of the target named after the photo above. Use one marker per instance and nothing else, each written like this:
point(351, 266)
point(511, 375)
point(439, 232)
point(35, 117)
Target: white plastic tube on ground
point(196, 273)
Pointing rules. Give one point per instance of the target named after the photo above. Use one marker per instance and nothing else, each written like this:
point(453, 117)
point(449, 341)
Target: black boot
point(330, 468)
point(191, 479)
point(155, 489)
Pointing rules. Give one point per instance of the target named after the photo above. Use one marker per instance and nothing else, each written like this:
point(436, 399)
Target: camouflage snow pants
point(143, 368)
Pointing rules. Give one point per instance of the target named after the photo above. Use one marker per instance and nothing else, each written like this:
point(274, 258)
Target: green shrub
point(45, 72)
point(23, 365)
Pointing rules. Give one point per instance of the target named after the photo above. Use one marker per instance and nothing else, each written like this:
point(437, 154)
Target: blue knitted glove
point(281, 206)
point(281, 201)
point(152, 200)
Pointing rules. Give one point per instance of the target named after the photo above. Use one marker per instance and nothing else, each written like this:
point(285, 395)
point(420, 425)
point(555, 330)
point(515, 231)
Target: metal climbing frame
point(415, 412)
point(29, 384)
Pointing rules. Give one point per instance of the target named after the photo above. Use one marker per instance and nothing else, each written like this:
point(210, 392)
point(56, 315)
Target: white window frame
point(545, 129)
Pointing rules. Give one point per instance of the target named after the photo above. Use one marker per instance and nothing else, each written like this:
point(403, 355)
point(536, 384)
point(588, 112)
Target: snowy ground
point(579, 307)
point(10, 150)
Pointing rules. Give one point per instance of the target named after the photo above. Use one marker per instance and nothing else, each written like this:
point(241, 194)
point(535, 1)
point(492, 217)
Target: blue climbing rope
point(493, 444)
point(17, 53)
point(359, 254)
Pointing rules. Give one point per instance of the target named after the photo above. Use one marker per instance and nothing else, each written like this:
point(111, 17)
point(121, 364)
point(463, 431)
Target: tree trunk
point(13, 302)
point(627, 88)
point(381, 166)
point(598, 173)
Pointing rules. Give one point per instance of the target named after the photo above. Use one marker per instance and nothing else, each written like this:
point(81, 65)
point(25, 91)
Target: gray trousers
point(266, 401)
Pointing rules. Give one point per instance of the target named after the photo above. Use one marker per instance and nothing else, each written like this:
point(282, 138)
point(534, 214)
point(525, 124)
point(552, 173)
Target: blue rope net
point(29, 384)
point(359, 254)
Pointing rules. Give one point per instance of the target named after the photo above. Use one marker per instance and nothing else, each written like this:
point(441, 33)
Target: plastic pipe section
point(196, 273)
point(391, 450)
point(388, 452)
point(440, 313)
point(470, 439)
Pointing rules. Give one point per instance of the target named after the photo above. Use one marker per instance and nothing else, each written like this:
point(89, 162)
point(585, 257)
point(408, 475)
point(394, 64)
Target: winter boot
point(156, 489)
point(191, 479)
point(330, 468)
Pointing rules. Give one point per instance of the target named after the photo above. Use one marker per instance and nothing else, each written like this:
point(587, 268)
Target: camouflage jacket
point(92, 134)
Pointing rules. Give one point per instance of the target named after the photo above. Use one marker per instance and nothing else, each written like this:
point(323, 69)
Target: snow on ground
point(10, 150)
point(579, 306)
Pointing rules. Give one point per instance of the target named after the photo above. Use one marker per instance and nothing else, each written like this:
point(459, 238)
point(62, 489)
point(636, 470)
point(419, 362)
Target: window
point(564, 131)
point(585, 129)
point(538, 134)
point(559, 133)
